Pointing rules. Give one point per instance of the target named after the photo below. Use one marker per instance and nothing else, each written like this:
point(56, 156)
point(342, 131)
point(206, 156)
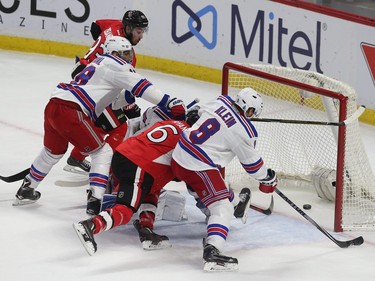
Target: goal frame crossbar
point(343, 100)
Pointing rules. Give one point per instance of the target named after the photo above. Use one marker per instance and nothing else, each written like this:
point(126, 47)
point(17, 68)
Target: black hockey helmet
point(135, 18)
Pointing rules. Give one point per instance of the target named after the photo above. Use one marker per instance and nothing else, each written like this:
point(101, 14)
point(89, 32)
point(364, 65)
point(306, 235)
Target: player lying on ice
point(72, 110)
point(141, 165)
point(152, 205)
point(221, 210)
point(223, 131)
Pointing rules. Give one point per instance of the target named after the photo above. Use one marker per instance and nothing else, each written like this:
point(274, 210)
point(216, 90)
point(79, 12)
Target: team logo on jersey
point(369, 54)
point(194, 24)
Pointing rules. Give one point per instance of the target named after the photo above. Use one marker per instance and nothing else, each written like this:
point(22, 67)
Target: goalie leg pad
point(171, 206)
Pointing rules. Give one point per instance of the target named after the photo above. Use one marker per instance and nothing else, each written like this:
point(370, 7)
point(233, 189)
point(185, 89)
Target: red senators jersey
point(110, 28)
point(152, 149)
point(104, 24)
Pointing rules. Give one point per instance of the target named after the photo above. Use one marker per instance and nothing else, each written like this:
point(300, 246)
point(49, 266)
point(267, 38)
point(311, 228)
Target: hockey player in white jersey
point(223, 131)
point(152, 203)
point(72, 110)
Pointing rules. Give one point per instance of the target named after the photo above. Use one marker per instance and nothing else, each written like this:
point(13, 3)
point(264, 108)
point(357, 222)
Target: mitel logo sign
point(277, 44)
point(369, 54)
point(194, 24)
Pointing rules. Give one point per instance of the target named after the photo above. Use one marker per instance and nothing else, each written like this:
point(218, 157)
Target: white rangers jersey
point(101, 83)
point(217, 137)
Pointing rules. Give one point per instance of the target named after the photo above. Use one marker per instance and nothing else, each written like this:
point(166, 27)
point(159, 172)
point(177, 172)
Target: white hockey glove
point(177, 108)
point(324, 181)
point(268, 184)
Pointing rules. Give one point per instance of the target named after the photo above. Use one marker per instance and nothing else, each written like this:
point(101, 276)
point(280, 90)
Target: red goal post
point(297, 142)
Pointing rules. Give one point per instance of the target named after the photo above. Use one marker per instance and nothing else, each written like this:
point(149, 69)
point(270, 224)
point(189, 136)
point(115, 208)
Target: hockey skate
point(214, 261)
point(242, 207)
point(84, 230)
point(26, 194)
point(149, 239)
point(77, 166)
point(93, 204)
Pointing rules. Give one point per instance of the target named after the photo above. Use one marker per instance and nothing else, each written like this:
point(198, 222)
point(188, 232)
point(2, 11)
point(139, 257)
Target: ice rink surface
point(37, 242)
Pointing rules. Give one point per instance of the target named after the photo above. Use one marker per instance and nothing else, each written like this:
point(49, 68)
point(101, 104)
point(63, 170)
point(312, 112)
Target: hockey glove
point(132, 111)
point(268, 184)
point(95, 30)
point(177, 108)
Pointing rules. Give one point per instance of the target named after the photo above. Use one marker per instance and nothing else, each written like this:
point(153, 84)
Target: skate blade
point(215, 267)
point(88, 245)
point(149, 246)
point(18, 202)
point(74, 170)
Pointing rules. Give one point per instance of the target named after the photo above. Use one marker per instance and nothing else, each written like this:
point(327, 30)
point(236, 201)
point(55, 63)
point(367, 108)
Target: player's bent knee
point(50, 158)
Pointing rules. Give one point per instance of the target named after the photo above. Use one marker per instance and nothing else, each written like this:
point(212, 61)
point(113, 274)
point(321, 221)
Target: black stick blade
point(16, 177)
point(357, 241)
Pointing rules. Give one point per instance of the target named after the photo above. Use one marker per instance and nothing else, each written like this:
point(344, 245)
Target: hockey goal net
point(329, 158)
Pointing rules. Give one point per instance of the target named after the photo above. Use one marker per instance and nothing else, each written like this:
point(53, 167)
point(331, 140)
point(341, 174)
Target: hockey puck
point(307, 206)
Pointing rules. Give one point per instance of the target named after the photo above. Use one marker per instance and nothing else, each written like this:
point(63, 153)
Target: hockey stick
point(194, 102)
point(64, 183)
point(355, 116)
point(267, 211)
point(16, 177)
point(342, 244)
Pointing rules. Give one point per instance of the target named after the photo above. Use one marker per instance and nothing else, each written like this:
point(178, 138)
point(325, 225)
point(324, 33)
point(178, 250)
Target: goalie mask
point(248, 99)
point(120, 45)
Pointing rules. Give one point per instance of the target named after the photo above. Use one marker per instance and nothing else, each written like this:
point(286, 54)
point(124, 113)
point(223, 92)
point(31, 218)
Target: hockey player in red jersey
point(72, 110)
point(139, 173)
point(150, 203)
point(132, 27)
point(113, 122)
point(223, 131)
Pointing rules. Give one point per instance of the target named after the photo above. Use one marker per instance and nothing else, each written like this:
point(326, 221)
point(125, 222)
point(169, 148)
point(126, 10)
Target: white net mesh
point(294, 150)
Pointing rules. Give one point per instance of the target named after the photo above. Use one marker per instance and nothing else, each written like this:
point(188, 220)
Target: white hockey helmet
point(249, 98)
point(118, 44)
